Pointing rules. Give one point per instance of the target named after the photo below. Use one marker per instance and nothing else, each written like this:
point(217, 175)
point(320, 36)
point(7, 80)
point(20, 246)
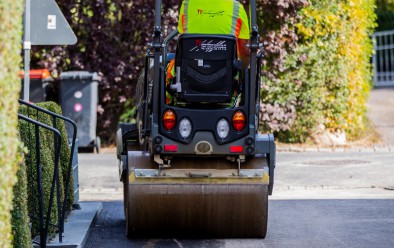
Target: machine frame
point(143, 159)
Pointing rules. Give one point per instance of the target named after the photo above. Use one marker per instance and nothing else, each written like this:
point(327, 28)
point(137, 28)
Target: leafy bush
point(20, 219)
point(358, 50)
point(277, 21)
point(325, 80)
point(27, 134)
point(64, 150)
point(10, 40)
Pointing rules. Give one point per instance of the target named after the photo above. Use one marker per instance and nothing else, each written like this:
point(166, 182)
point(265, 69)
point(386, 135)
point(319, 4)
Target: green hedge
point(325, 80)
point(27, 132)
point(20, 218)
point(65, 150)
point(47, 162)
point(10, 45)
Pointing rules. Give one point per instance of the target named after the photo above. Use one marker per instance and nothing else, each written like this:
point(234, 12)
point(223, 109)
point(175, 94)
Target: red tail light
point(239, 120)
point(236, 149)
point(170, 148)
point(169, 120)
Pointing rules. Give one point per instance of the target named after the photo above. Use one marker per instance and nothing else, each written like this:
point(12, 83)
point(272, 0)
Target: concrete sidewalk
point(77, 226)
point(380, 109)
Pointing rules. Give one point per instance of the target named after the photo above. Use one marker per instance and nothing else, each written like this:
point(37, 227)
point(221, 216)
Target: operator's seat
point(206, 66)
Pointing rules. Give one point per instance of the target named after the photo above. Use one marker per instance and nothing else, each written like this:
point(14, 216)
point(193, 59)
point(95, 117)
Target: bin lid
point(36, 74)
point(80, 75)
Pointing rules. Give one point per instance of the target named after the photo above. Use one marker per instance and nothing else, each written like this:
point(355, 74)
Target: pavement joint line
point(318, 149)
point(77, 226)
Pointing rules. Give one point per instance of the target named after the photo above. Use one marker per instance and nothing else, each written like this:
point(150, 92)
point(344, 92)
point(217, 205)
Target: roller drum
point(197, 210)
point(194, 207)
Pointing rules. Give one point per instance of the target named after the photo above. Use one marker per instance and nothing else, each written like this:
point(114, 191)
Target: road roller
point(194, 163)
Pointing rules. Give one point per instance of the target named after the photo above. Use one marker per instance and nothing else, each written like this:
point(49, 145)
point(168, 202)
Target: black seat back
point(207, 67)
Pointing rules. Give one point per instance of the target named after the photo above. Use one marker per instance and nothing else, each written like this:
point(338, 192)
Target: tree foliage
point(309, 68)
point(112, 40)
point(325, 80)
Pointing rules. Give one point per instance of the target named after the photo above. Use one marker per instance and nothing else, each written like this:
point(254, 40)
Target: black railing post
point(61, 206)
point(69, 169)
point(39, 185)
point(253, 46)
point(55, 180)
point(57, 155)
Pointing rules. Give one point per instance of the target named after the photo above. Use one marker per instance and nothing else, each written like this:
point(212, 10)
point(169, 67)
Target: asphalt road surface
point(292, 223)
point(320, 200)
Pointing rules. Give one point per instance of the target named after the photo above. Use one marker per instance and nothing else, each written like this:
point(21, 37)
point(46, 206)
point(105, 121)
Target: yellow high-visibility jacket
point(213, 17)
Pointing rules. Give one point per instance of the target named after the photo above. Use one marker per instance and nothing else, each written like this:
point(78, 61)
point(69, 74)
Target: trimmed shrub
point(65, 149)
point(20, 219)
point(10, 45)
point(27, 133)
point(47, 157)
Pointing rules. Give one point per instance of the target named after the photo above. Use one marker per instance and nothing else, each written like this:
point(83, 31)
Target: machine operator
point(217, 17)
point(214, 17)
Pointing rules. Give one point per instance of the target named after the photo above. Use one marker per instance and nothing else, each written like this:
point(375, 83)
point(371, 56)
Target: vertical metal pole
point(40, 189)
point(375, 61)
point(380, 57)
point(386, 55)
point(157, 13)
point(157, 44)
point(391, 58)
point(252, 13)
point(254, 45)
point(57, 181)
point(27, 48)
point(70, 167)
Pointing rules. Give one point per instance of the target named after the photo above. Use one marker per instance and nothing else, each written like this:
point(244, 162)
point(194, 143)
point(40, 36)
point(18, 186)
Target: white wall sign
point(51, 22)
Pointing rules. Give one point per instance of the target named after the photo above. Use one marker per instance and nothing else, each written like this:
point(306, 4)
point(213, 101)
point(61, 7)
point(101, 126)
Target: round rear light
point(223, 128)
point(185, 128)
point(239, 120)
point(169, 120)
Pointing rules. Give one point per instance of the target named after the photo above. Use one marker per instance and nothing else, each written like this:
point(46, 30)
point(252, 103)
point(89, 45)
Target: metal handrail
point(55, 180)
point(74, 136)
